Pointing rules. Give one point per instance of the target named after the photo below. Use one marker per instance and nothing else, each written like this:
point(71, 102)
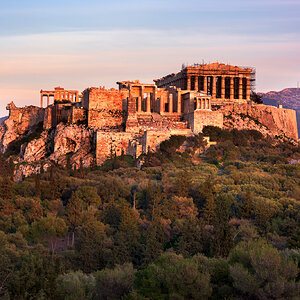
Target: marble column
point(179, 101)
point(171, 103)
point(161, 104)
point(48, 100)
point(196, 83)
point(240, 88)
point(248, 90)
point(139, 99)
point(41, 100)
point(232, 88)
point(205, 84)
point(148, 103)
point(222, 87)
point(188, 82)
point(214, 87)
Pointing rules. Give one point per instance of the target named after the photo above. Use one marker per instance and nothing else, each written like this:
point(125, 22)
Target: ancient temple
point(224, 83)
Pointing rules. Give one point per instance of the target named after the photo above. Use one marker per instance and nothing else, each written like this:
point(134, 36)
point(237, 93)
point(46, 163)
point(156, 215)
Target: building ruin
point(222, 82)
point(137, 117)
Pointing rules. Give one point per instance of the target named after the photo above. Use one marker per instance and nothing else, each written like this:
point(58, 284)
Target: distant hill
point(289, 98)
point(2, 119)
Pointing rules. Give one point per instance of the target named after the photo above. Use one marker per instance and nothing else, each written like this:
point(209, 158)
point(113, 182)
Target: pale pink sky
point(101, 42)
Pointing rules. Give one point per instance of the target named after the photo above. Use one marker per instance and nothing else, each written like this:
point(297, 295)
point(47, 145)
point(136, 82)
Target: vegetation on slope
point(192, 223)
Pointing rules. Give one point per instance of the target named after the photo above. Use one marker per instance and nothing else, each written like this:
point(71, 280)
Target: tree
point(193, 238)
point(154, 241)
point(259, 272)
point(75, 285)
point(34, 277)
point(209, 210)
point(256, 98)
point(248, 204)
point(88, 195)
point(173, 277)
point(37, 180)
point(93, 246)
point(222, 237)
point(49, 229)
point(114, 283)
point(75, 214)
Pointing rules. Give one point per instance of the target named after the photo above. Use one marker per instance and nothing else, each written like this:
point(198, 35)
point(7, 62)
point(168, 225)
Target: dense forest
point(187, 222)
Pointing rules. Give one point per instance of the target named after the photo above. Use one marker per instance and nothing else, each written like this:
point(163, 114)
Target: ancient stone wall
point(200, 118)
point(108, 143)
point(47, 123)
point(105, 108)
point(279, 121)
point(78, 115)
point(151, 139)
point(154, 121)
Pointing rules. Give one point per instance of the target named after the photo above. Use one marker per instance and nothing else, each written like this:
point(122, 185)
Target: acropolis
point(135, 118)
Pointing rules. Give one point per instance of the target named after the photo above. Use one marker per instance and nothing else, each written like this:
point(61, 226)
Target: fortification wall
point(151, 139)
point(78, 115)
point(278, 121)
point(105, 107)
point(154, 121)
point(202, 117)
point(108, 143)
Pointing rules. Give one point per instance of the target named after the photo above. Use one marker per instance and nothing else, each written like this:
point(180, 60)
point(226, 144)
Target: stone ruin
point(137, 117)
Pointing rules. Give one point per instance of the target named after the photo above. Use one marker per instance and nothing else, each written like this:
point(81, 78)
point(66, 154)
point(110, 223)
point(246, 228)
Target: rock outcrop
point(288, 98)
point(20, 122)
point(75, 145)
point(270, 120)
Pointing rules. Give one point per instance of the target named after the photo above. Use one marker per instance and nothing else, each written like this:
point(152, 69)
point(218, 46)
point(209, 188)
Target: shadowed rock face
point(289, 98)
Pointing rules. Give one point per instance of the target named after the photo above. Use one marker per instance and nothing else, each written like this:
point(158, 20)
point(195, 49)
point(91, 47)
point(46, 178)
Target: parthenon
point(60, 94)
point(225, 83)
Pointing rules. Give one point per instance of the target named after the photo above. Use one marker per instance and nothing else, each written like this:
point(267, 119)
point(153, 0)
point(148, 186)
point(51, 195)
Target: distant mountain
point(289, 98)
point(2, 119)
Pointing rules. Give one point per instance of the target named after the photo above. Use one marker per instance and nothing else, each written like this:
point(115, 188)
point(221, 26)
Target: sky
point(78, 44)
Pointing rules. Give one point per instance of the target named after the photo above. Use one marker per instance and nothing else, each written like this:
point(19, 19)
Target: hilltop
point(289, 98)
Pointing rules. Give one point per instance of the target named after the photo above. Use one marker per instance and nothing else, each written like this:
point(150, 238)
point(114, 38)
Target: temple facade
point(59, 94)
point(224, 83)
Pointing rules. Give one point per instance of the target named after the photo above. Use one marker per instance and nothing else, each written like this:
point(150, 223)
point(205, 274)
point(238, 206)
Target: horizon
point(77, 45)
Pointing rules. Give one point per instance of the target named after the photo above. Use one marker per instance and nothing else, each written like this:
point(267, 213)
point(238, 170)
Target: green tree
point(75, 286)
point(222, 237)
point(259, 272)
point(114, 283)
point(193, 238)
point(209, 210)
point(173, 277)
point(49, 229)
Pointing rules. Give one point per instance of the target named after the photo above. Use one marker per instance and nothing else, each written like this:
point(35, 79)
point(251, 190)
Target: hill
point(289, 98)
point(224, 219)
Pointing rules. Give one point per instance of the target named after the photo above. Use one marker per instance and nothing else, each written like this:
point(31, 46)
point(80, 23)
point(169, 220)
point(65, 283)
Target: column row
point(147, 105)
point(221, 87)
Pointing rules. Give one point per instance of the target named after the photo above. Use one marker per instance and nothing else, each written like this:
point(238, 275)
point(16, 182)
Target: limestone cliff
point(270, 120)
point(73, 141)
point(21, 122)
point(33, 148)
point(289, 98)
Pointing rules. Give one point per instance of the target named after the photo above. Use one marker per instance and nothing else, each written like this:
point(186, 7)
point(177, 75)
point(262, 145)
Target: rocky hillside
point(289, 98)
